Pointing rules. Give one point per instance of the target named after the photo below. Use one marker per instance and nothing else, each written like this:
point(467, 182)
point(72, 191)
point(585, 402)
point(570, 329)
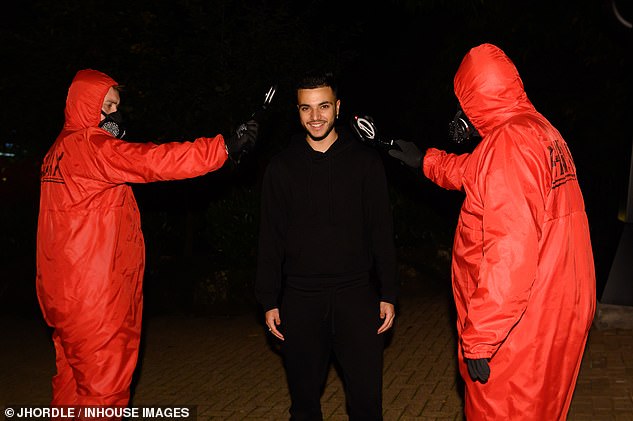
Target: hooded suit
point(522, 271)
point(90, 250)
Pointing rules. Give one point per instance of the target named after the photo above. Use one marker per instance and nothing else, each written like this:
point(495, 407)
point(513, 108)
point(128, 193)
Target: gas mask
point(113, 123)
point(461, 129)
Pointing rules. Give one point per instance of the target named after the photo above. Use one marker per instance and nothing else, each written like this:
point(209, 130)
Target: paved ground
point(227, 368)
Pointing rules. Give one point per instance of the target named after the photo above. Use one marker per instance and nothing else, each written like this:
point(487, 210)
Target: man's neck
point(324, 144)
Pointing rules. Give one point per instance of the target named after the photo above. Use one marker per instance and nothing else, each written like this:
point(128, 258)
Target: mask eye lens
point(460, 129)
point(465, 128)
point(457, 130)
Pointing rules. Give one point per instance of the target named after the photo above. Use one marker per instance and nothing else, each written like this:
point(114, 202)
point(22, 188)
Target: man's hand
point(243, 140)
point(408, 153)
point(272, 321)
point(478, 369)
point(387, 312)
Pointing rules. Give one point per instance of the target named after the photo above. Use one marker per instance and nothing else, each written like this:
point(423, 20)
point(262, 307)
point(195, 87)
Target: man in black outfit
point(326, 233)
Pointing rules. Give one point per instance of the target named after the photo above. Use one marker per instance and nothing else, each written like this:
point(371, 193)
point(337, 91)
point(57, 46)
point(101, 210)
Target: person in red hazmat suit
point(522, 268)
point(90, 250)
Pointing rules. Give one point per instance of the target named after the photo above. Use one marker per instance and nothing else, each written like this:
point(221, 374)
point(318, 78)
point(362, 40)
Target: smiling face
point(318, 109)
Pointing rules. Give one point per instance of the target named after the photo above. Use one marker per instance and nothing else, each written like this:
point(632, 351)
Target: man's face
point(110, 102)
point(318, 109)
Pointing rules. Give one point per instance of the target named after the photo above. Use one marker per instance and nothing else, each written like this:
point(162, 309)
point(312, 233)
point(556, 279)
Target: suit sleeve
point(380, 222)
point(118, 161)
point(272, 228)
point(445, 169)
point(513, 184)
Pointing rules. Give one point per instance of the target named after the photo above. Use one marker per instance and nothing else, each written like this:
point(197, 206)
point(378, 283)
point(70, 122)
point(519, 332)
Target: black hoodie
point(325, 216)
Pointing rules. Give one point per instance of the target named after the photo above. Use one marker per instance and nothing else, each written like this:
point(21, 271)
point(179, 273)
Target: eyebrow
point(318, 105)
point(108, 102)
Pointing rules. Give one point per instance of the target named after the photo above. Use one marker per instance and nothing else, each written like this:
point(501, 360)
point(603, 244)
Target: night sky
point(197, 68)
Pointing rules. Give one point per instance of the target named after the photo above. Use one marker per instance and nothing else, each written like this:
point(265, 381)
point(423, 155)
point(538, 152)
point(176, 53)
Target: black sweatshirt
point(325, 216)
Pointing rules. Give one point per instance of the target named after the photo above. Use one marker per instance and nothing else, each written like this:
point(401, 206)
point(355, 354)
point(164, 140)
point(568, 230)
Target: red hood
point(85, 98)
point(489, 88)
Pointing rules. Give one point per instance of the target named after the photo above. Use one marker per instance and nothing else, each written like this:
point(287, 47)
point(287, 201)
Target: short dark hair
point(317, 79)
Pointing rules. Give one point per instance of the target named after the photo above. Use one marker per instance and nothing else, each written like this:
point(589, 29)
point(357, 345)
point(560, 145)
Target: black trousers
point(321, 317)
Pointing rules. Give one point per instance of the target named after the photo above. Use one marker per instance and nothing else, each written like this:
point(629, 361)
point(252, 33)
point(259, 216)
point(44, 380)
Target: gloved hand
point(243, 140)
point(478, 369)
point(408, 153)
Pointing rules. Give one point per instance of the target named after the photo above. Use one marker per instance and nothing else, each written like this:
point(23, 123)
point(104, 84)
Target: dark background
point(197, 68)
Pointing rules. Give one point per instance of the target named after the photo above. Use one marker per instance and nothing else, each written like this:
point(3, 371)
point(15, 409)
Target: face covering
point(113, 123)
point(461, 129)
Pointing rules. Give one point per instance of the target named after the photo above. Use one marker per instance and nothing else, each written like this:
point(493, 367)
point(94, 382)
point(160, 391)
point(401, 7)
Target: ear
point(338, 107)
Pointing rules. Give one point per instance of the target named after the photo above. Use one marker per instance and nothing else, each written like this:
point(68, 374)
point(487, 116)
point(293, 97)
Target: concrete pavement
point(230, 370)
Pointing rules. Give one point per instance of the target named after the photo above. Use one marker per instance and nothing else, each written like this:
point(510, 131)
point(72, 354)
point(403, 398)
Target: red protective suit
point(523, 274)
point(90, 250)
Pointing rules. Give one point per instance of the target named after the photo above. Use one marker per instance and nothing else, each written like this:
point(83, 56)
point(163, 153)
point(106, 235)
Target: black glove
point(478, 369)
point(408, 153)
point(243, 140)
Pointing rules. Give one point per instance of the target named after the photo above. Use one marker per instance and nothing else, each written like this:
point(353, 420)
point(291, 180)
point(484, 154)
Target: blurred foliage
point(200, 67)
